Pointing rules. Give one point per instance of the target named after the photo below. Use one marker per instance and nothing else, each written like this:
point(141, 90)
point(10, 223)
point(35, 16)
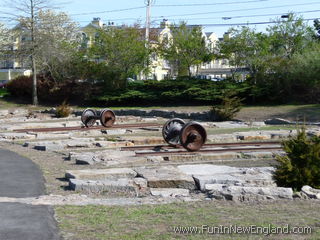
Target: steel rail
point(152, 147)
point(185, 152)
point(116, 126)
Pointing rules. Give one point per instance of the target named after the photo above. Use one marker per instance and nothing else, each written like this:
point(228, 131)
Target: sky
point(215, 15)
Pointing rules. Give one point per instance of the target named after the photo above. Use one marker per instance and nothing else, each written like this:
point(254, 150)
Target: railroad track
point(116, 126)
point(164, 150)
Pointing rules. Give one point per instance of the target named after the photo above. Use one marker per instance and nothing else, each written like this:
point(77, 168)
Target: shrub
point(63, 110)
point(230, 105)
point(301, 164)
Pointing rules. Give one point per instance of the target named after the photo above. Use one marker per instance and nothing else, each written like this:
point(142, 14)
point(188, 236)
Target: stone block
point(166, 177)
point(103, 186)
point(207, 169)
point(101, 174)
point(170, 192)
point(241, 193)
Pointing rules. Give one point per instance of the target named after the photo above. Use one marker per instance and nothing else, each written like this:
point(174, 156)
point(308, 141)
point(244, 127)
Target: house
point(161, 69)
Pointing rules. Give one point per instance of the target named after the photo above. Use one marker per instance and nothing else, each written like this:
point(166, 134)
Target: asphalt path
point(21, 178)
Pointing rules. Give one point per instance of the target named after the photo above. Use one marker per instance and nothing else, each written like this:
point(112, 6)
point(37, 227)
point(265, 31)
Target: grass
point(250, 129)
point(310, 112)
point(157, 221)
point(3, 92)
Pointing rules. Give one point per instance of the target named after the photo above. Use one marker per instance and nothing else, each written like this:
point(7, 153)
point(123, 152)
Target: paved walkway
point(21, 178)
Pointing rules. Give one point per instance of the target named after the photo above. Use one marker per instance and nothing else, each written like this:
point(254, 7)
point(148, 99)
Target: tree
point(4, 41)
point(122, 53)
point(44, 35)
point(269, 56)
point(245, 48)
point(186, 47)
point(57, 38)
point(289, 36)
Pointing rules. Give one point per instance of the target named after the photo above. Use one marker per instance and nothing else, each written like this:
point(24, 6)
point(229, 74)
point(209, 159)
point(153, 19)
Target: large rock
point(166, 177)
point(241, 193)
point(311, 192)
point(101, 174)
point(169, 192)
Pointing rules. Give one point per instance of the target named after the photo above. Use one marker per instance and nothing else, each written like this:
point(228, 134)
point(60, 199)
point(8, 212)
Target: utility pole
point(148, 3)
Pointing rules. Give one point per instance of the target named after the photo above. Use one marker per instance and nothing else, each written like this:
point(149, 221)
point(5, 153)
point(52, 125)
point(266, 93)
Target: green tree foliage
point(121, 52)
point(304, 73)
point(301, 164)
point(4, 41)
point(185, 48)
point(246, 48)
point(274, 59)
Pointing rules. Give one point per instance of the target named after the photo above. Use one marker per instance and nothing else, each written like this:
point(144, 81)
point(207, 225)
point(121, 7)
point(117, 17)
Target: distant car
point(217, 79)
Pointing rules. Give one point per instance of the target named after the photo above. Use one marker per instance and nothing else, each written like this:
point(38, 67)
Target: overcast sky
point(205, 12)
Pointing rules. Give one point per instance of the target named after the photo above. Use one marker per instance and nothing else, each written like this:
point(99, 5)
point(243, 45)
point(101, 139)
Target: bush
point(63, 110)
point(230, 105)
point(50, 91)
point(179, 92)
point(301, 164)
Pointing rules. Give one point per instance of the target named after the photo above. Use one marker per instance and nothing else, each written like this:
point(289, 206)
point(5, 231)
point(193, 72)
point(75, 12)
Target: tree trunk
point(33, 60)
point(34, 82)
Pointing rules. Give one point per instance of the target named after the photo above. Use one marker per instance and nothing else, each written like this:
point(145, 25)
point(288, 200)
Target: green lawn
point(158, 221)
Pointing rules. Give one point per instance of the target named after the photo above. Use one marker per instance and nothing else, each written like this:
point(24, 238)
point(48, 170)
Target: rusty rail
point(208, 145)
point(165, 150)
point(116, 126)
point(184, 152)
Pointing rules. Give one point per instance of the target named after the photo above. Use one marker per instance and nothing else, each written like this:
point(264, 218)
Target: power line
point(243, 16)
point(109, 11)
point(238, 10)
point(207, 4)
point(244, 24)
